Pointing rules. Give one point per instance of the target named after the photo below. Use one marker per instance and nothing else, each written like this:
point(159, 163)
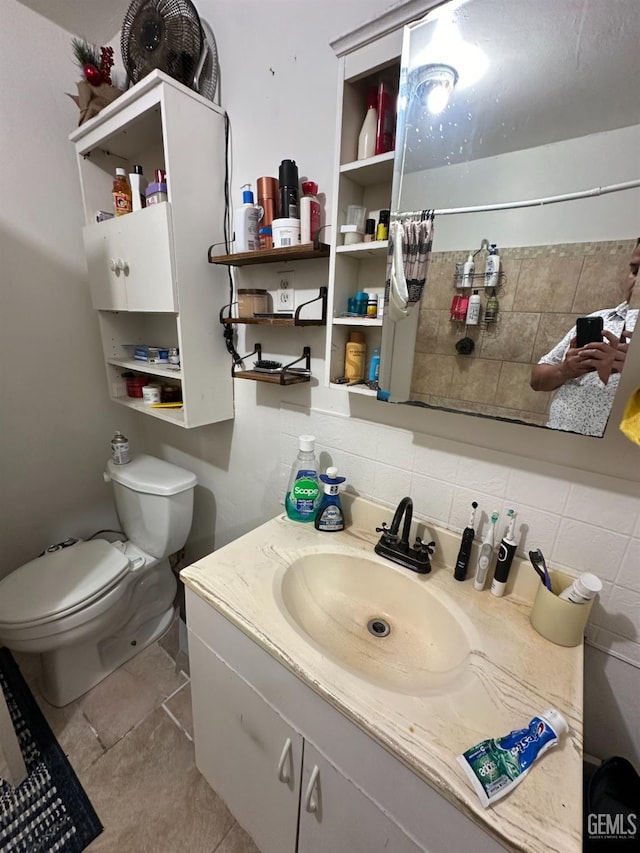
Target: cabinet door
point(130, 262)
point(245, 751)
point(107, 286)
point(336, 816)
point(146, 245)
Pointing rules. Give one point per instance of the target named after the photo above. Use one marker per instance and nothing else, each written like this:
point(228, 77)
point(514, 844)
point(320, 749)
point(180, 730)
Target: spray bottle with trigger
point(506, 553)
point(484, 557)
point(468, 534)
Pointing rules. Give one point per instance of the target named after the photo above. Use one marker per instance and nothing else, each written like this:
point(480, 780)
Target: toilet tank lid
point(152, 476)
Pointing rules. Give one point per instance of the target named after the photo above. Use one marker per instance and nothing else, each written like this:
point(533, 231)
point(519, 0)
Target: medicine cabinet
point(148, 274)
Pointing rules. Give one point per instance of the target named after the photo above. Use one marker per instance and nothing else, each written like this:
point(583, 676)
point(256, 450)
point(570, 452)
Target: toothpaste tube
point(495, 766)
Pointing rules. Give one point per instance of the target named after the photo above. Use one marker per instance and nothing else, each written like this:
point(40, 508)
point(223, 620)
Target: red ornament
point(91, 74)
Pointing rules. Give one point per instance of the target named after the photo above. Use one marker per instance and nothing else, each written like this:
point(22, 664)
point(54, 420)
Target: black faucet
point(397, 548)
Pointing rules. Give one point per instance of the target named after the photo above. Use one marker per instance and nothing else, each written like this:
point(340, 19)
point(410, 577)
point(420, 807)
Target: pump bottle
point(245, 223)
point(506, 552)
point(468, 271)
point(329, 517)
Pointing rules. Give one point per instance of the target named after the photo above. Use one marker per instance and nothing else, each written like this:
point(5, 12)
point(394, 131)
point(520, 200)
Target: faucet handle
point(384, 529)
point(428, 547)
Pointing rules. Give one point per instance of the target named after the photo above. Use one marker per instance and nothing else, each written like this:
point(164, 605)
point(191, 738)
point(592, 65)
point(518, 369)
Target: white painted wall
point(56, 421)
point(280, 93)
point(574, 165)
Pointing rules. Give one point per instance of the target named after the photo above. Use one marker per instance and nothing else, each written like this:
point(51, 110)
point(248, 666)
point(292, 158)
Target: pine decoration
point(87, 58)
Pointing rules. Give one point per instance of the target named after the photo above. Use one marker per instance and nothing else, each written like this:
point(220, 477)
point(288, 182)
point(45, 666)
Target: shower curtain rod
point(534, 202)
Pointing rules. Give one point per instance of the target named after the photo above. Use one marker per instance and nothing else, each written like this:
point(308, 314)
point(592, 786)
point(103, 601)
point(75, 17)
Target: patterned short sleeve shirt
point(583, 405)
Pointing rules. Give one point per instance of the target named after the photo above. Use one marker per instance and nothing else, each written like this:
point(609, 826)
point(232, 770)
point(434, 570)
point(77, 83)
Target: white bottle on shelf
point(467, 272)
point(245, 223)
point(367, 136)
point(473, 311)
point(492, 267)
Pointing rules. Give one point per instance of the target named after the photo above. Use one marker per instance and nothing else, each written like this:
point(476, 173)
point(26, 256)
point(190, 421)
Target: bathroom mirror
point(545, 104)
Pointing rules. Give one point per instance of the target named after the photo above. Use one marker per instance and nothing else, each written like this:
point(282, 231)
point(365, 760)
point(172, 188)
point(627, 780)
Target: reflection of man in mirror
point(584, 380)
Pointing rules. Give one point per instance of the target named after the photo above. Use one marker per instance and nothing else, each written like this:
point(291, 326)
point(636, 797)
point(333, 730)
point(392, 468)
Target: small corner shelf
point(285, 375)
point(275, 320)
point(269, 256)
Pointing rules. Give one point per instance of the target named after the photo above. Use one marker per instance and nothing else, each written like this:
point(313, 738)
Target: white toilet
point(88, 608)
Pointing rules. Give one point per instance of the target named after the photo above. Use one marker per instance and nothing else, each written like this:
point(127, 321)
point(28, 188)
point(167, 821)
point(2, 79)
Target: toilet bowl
point(89, 608)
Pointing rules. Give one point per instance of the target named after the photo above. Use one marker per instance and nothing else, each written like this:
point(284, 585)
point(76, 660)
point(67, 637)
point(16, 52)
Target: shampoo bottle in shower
point(492, 267)
point(467, 272)
point(473, 313)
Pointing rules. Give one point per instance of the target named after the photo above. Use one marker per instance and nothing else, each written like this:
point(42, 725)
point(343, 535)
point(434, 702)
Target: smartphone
point(588, 330)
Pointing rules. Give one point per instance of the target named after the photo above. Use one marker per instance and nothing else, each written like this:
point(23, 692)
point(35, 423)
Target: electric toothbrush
point(506, 553)
point(484, 557)
point(468, 535)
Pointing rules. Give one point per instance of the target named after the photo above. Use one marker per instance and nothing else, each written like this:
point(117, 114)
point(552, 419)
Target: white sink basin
point(344, 604)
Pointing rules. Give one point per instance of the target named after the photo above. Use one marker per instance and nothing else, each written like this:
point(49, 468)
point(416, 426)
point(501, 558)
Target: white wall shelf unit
point(361, 266)
point(148, 273)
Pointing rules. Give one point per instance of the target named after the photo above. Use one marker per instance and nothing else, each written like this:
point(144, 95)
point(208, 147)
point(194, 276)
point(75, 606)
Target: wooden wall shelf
point(270, 256)
point(275, 320)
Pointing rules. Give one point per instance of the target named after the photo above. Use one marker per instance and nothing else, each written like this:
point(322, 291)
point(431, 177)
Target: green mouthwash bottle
point(303, 492)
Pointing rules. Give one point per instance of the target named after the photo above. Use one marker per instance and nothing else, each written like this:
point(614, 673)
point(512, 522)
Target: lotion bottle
point(354, 357)
point(473, 312)
point(245, 223)
point(309, 212)
point(138, 188)
point(468, 271)
point(367, 136)
point(492, 267)
point(484, 557)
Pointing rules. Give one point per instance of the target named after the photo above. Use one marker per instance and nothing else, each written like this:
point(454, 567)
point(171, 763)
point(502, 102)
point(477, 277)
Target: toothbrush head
point(494, 517)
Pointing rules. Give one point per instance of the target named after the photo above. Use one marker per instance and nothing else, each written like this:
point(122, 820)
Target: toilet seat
point(60, 583)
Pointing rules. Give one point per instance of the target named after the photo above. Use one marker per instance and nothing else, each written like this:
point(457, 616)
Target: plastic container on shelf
point(252, 301)
point(350, 235)
point(286, 233)
point(135, 384)
point(156, 193)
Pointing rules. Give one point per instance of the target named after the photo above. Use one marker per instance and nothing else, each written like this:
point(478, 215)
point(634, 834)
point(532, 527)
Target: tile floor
point(130, 743)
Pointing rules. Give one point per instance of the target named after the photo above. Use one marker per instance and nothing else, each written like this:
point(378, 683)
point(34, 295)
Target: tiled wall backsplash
point(543, 289)
point(578, 527)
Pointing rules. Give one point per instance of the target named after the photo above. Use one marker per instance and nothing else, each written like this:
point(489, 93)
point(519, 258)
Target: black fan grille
point(162, 34)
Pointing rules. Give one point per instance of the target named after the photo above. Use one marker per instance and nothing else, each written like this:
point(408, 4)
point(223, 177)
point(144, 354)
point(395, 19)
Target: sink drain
point(378, 627)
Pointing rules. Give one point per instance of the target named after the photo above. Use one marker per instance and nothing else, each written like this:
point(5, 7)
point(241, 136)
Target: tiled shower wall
point(542, 291)
point(578, 527)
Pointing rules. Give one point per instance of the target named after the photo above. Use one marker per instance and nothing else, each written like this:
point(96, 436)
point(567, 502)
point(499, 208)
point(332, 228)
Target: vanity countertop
point(514, 673)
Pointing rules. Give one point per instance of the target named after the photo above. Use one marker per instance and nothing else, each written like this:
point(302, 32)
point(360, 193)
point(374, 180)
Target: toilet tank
point(154, 502)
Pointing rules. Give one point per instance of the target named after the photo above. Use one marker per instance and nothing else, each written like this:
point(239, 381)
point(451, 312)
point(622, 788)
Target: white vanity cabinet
point(149, 275)
point(290, 766)
point(281, 789)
